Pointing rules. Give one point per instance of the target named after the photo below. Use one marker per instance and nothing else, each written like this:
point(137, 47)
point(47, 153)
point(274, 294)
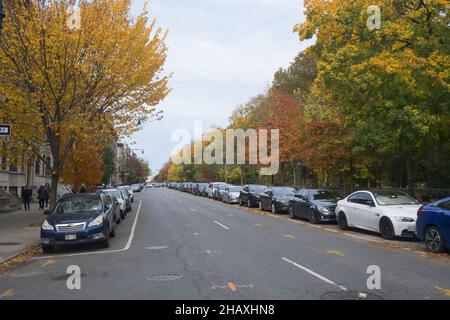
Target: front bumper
point(327, 217)
point(88, 235)
point(405, 229)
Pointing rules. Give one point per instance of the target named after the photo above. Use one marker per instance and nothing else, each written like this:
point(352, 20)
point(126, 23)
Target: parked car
point(218, 192)
point(316, 205)
point(79, 219)
point(199, 189)
point(433, 225)
point(137, 187)
point(250, 195)
point(120, 199)
point(127, 198)
point(130, 192)
point(276, 199)
point(212, 188)
point(388, 212)
point(231, 194)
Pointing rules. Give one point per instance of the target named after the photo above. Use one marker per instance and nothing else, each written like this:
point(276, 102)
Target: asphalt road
point(177, 246)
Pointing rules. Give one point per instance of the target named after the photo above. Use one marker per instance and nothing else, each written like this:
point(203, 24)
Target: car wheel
point(47, 249)
point(113, 232)
point(291, 212)
point(105, 243)
point(387, 229)
point(434, 239)
point(274, 208)
point(122, 215)
point(312, 217)
point(342, 221)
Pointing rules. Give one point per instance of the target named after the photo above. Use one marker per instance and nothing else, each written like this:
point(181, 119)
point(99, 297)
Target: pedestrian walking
point(48, 192)
point(82, 189)
point(27, 194)
point(42, 195)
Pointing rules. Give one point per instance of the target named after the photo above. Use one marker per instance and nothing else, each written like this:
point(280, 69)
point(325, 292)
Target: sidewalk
point(19, 230)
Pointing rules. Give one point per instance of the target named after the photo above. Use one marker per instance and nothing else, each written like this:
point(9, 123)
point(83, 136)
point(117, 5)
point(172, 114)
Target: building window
point(37, 169)
point(13, 191)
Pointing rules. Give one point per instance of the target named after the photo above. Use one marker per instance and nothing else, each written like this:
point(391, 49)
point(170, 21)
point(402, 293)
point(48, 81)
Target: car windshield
point(78, 205)
point(235, 189)
point(114, 193)
point(393, 198)
point(257, 188)
point(284, 191)
point(323, 195)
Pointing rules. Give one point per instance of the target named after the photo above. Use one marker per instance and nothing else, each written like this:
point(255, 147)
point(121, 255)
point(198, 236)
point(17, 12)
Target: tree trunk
point(54, 188)
point(294, 171)
point(409, 176)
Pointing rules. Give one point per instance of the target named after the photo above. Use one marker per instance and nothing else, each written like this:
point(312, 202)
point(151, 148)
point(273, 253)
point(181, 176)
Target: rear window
point(444, 205)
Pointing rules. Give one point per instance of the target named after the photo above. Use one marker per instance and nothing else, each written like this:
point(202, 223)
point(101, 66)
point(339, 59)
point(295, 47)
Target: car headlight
point(405, 219)
point(323, 209)
point(97, 221)
point(47, 226)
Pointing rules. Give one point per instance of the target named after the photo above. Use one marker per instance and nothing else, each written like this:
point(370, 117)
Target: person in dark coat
point(48, 192)
point(27, 194)
point(42, 195)
point(82, 189)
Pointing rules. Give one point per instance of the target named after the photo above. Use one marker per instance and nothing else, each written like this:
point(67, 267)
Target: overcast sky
point(222, 53)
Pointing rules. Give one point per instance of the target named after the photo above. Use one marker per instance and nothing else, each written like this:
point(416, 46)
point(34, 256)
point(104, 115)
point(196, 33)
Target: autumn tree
point(392, 83)
point(84, 165)
point(60, 80)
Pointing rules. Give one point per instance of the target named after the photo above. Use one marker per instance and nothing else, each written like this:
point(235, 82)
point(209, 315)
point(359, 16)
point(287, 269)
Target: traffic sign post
point(5, 130)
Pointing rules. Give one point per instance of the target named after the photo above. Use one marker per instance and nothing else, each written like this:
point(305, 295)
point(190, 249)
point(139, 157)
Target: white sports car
point(389, 212)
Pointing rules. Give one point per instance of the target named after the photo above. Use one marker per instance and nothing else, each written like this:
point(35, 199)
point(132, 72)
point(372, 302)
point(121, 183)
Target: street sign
point(5, 130)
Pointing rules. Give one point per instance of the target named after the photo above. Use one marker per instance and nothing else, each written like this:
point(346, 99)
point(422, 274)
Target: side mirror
point(47, 212)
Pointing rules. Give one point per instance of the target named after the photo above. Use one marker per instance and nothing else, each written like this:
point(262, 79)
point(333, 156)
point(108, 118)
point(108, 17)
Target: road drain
point(165, 277)
point(350, 295)
point(64, 277)
point(157, 248)
point(9, 243)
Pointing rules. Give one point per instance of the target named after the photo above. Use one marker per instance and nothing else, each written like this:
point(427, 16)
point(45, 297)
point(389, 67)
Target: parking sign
point(5, 130)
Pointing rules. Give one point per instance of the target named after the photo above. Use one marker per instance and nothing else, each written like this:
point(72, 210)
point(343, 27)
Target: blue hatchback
point(433, 225)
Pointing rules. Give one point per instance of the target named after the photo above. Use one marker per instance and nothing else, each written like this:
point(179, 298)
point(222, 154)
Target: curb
point(18, 253)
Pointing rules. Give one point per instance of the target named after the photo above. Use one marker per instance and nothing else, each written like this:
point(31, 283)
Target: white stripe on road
point(315, 274)
point(127, 246)
point(223, 226)
point(193, 210)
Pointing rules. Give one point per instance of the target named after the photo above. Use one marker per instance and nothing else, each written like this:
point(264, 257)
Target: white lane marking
point(223, 226)
point(315, 274)
point(193, 210)
point(127, 246)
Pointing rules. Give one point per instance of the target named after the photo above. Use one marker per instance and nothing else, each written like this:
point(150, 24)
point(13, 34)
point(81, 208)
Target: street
point(177, 246)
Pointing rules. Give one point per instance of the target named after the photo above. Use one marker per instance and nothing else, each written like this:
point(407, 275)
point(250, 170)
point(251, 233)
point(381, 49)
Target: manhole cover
point(165, 277)
point(10, 243)
point(64, 277)
point(156, 247)
point(350, 295)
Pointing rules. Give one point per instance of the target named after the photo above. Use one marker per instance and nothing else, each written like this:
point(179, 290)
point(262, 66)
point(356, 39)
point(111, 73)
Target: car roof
point(69, 196)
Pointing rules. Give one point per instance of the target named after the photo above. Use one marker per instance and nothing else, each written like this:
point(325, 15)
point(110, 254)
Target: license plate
point(412, 228)
point(71, 237)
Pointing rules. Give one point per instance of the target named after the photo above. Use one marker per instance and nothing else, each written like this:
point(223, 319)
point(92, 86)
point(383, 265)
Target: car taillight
point(419, 211)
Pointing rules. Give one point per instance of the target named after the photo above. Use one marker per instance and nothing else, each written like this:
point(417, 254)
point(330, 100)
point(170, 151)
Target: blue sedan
point(79, 219)
point(433, 225)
